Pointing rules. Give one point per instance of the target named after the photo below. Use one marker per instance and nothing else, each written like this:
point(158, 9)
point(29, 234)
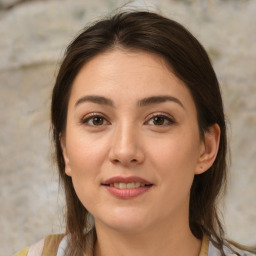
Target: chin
point(126, 222)
point(128, 227)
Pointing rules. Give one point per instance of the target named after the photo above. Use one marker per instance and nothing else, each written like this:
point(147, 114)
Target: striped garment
point(54, 245)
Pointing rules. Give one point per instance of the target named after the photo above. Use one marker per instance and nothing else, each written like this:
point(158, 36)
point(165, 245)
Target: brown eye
point(95, 120)
point(158, 120)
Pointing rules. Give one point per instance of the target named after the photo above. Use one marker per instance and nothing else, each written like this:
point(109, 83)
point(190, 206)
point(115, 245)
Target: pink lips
point(127, 193)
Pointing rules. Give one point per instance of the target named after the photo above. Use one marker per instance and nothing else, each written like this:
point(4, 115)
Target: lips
point(119, 179)
point(127, 187)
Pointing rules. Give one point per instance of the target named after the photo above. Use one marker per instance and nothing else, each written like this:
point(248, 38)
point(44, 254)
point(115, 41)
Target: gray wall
point(33, 36)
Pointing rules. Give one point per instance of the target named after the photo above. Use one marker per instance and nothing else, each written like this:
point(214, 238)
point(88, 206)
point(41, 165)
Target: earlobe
point(209, 151)
point(65, 155)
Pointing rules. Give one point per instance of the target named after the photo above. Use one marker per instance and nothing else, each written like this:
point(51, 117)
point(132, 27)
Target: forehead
point(128, 75)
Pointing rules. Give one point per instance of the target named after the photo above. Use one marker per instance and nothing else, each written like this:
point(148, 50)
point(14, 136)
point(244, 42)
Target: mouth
point(126, 182)
point(127, 187)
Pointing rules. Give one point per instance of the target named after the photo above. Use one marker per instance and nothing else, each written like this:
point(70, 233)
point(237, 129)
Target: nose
point(126, 148)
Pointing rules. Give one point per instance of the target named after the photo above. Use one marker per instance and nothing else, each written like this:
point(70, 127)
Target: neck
point(163, 240)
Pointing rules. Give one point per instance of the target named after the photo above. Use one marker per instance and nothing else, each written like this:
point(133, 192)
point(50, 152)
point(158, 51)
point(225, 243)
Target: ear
point(65, 155)
point(209, 149)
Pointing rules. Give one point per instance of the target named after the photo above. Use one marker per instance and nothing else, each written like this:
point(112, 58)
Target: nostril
point(117, 161)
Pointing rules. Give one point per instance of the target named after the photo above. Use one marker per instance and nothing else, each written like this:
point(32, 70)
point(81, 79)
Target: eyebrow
point(142, 103)
point(95, 99)
point(159, 99)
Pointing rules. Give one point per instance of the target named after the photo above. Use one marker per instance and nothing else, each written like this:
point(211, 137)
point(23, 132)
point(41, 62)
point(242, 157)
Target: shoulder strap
point(204, 246)
point(46, 247)
point(52, 243)
point(63, 245)
point(36, 249)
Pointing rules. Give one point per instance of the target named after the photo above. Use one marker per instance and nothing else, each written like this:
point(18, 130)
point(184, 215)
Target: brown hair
point(151, 32)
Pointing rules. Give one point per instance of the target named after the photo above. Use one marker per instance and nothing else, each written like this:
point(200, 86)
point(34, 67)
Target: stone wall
point(33, 38)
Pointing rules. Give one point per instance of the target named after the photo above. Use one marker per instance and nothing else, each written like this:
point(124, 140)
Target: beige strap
point(204, 247)
point(51, 244)
point(36, 249)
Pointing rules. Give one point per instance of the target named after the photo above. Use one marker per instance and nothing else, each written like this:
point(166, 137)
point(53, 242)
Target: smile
point(127, 187)
point(130, 185)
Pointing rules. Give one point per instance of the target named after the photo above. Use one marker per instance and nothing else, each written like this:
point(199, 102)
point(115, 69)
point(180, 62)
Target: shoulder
point(47, 246)
point(241, 250)
point(24, 252)
point(229, 249)
point(52, 244)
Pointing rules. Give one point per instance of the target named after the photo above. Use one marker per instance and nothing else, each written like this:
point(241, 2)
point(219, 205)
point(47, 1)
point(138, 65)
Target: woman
point(140, 139)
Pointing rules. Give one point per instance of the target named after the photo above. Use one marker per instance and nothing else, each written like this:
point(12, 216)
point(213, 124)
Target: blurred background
point(33, 37)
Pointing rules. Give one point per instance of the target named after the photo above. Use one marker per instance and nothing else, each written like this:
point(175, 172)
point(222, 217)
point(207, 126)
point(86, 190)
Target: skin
point(126, 141)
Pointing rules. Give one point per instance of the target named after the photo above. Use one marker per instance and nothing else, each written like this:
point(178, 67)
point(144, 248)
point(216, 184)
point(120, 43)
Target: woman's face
point(132, 144)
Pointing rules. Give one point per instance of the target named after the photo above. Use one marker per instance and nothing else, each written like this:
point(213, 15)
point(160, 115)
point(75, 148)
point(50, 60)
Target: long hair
point(150, 32)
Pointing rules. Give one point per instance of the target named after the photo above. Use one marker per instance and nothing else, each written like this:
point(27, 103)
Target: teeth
point(127, 185)
point(122, 185)
point(116, 185)
point(130, 185)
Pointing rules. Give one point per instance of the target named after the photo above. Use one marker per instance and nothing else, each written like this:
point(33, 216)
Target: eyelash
point(85, 120)
point(166, 117)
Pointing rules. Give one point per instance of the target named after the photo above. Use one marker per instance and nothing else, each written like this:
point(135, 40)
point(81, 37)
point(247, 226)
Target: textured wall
point(33, 36)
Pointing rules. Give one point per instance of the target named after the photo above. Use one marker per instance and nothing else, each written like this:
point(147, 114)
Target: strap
point(204, 246)
point(52, 243)
point(63, 245)
point(36, 249)
point(47, 246)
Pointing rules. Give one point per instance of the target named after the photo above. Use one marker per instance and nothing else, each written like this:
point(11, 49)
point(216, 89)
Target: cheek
point(176, 158)
point(85, 157)
point(176, 152)
point(85, 152)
